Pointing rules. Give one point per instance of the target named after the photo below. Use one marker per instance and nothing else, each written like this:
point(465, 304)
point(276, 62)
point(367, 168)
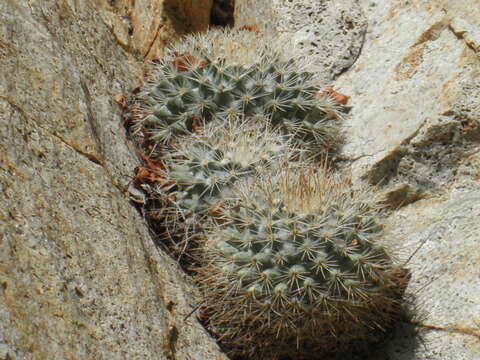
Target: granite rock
point(439, 238)
point(415, 94)
point(414, 131)
point(145, 27)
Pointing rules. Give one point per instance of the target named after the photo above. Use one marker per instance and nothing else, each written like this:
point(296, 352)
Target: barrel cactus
point(297, 267)
point(186, 91)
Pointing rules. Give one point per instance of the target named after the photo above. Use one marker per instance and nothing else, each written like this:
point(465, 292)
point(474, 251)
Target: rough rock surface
point(330, 32)
point(415, 94)
point(144, 27)
point(444, 288)
point(79, 274)
point(414, 130)
point(80, 277)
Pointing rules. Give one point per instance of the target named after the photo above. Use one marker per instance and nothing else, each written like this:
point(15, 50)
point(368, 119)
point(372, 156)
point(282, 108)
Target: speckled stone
point(80, 276)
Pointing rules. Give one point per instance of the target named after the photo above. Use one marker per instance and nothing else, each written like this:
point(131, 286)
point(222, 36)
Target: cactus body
point(206, 166)
point(297, 267)
point(178, 98)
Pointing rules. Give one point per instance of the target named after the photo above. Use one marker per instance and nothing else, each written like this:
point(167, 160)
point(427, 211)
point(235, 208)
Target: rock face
point(415, 94)
point(413, 130)
point(144, 27)
point(444, 288)
point(80, 277)
point(330, 32)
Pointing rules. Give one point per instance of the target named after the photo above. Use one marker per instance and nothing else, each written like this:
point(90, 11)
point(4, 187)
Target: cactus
point(186, 91)
point(297, 266)
point(235, 46)
point(207, 165)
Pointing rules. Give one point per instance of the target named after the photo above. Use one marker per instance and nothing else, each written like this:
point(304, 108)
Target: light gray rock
point(414, 128)
point(329, 32)
point(415, 95)
point(80, 276)
point(444, 287)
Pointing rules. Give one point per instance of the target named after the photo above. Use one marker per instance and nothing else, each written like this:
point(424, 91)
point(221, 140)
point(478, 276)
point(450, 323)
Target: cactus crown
point(238, 47)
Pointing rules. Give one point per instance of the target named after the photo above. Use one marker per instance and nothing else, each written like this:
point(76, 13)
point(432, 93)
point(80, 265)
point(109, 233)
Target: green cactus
point(297, 267)
point(207, 165)
point(176, 99)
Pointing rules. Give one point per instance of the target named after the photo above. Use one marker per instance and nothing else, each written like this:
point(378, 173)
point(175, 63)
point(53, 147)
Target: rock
point(258, 13)
point(145, 27)
point(329, 32)
point(415, 104)
point(401, 195)
point(80, 276)
point(414, 129)
point(441, 236)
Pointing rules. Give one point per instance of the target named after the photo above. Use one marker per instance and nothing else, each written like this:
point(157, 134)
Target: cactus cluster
point(289, 257)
